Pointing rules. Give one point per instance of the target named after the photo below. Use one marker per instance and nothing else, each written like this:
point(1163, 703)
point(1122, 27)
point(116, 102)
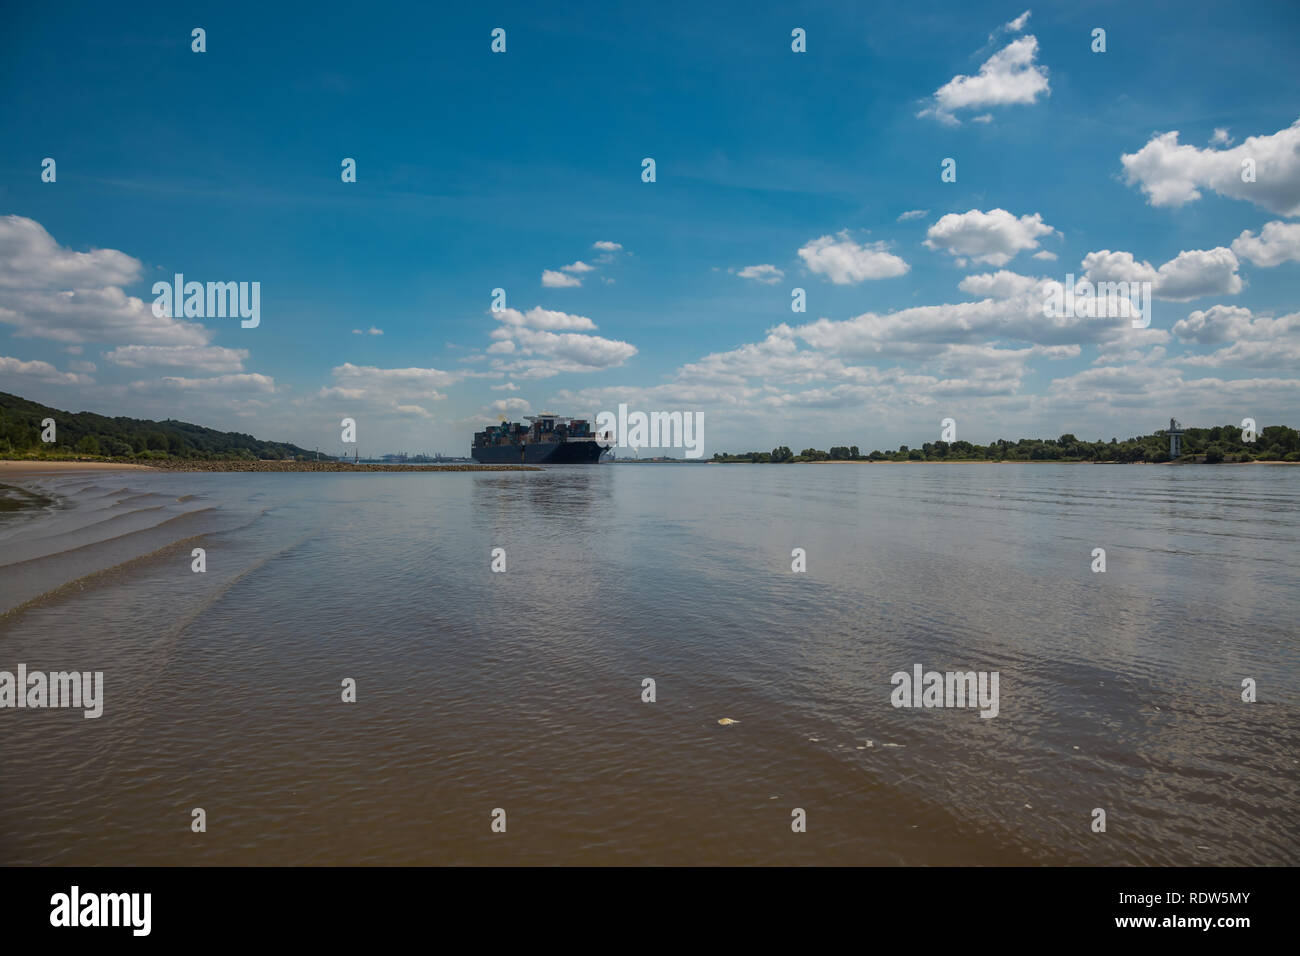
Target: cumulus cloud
point(606, 246)
point(1010, 76)
point(240, 384)
point(510, 406)
point(93, 315)
point(203, 358)
point(408, 382)
point(552, 279)
point(1218, 323)
point(543, 354)
point(30, 258)
point(994, 237)
point(766, 274)
point(51, 292)
point(845, 262)
point(1255, 341)
point(1191, 274)
point(1172, 174)
point(403, 392)
point(997, 285)
point(1277, 242)
point(539, 318)
point(1198, 272)
point(912, 214)
point(541, 342)
point(42, 372)
point(923, 330)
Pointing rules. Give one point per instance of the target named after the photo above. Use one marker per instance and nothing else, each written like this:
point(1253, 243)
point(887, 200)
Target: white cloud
point(240, 384)
point(1277, 242)
point(510, 406)
point(558, 280)
point(203, 358)
point(543, 342)
point(994, 237)
point(31, 259)
point(93, 315)
point(539, 318)
point(409, 382)
point(1221, 137)
point(50, 292)
point(912, 214)
point(578, 266)
point(544, 354)
point(505, 387)
point(1045, 255)
point(1256, 341)
point(1106, 266)
point(997, 285)
point(1198, 272)
point(1171, 174)
point(1191, 274)
point(37, 371)
point(845, 262)
point(606, 246)
point(367, 389)
point(766, 274)
point(1218, 323)
point(1018, 24)
point(1009, 76)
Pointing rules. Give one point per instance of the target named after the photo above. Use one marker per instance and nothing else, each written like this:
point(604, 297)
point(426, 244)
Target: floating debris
point(727, 721)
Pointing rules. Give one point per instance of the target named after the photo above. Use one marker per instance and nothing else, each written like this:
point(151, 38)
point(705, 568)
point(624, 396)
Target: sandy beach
point(15, 469)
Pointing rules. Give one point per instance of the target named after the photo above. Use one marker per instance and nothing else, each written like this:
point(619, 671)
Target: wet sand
point(14, 469)
point(35, 467)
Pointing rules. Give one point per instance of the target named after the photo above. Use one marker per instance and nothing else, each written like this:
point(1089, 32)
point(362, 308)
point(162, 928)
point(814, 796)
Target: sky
point(1171, 158)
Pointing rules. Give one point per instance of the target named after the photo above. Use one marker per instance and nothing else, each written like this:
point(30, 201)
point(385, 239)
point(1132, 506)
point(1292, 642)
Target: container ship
point(547, 440)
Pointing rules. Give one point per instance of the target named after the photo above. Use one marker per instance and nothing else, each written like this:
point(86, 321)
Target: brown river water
point(522, 691)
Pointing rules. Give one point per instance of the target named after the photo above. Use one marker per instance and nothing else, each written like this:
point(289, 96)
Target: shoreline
point(33, 467)
point(25, 467)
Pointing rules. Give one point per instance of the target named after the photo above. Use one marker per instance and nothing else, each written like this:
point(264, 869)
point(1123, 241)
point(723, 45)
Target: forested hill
point(85, 433)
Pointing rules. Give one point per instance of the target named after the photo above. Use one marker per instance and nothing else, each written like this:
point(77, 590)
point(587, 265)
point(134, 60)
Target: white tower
point(1175, 433)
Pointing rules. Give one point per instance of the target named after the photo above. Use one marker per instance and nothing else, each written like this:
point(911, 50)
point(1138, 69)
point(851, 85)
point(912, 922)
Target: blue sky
point(774, 170)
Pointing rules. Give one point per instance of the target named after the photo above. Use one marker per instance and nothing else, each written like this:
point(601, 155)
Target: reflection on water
point(523, 690)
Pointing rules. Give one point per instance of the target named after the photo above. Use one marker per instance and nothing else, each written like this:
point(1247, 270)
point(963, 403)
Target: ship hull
point(540, 453)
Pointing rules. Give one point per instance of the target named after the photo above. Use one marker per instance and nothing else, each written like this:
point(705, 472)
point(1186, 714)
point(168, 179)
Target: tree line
point(88, 434)
point(1222, 443)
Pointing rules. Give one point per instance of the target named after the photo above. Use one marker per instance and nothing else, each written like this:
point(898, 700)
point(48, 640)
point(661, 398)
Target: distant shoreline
point(34, 466)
